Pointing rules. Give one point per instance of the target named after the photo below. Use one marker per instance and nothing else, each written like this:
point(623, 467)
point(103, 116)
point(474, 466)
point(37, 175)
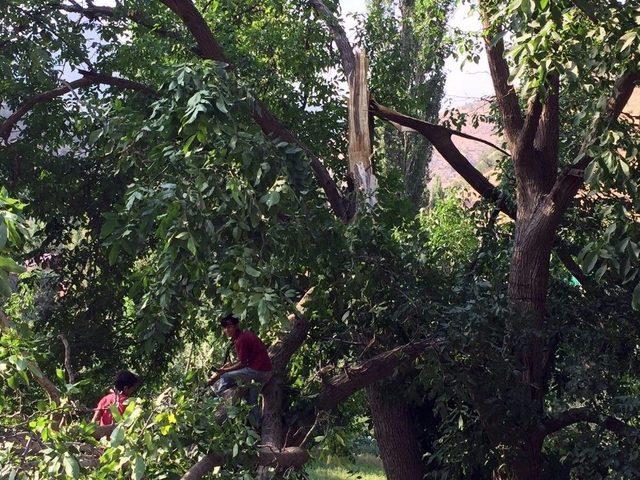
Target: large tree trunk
point(394, 426)
point(527, 292)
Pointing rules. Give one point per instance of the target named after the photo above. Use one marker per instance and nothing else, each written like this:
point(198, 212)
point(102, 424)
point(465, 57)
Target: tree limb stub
point(89, 78)
point(209, 48)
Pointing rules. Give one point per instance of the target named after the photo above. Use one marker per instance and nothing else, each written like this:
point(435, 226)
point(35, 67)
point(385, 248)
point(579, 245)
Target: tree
point(548, 176)
point(217, 203)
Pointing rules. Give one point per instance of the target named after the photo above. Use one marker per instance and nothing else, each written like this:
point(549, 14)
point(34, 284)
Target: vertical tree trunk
point(527, 291)
point(396, 434)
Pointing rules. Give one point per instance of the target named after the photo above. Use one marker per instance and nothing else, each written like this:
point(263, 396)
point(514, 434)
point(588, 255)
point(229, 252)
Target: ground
point(365, 467)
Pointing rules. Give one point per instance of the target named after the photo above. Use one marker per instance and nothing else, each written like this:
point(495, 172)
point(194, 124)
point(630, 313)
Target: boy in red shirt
point(253, 362)
point(125, 384)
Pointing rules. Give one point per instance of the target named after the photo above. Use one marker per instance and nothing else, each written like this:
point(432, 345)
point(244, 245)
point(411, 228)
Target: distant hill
point(480, 155)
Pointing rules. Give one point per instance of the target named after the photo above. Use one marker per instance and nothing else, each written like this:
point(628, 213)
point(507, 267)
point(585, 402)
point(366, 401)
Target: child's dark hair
point(125, 379)
point(229, 320)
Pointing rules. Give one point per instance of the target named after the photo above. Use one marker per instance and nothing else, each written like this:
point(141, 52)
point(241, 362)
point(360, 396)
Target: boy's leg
point(231, 379)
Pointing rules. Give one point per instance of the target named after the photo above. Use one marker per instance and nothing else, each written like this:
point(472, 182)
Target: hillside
point(480, 155)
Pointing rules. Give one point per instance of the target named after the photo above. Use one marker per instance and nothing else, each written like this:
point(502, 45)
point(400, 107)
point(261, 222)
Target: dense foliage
point(143, 211)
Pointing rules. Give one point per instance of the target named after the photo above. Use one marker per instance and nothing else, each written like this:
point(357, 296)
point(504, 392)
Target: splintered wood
point(360, 149)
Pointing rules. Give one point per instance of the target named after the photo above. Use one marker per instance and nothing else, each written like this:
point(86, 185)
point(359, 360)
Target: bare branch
point(270, 125)
point(89, 78)
point(339, 37)
point(67, 358)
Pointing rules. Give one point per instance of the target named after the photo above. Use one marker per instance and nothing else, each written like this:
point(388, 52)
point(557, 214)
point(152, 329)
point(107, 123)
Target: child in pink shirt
point(126, 383)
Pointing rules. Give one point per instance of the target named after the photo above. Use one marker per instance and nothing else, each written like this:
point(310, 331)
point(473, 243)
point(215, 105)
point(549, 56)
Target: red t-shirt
point(105, 403)
point(252, 352)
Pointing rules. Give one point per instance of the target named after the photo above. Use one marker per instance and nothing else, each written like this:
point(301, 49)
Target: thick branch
point(358, 376)
point(440, 137)
point(547, 139)
point(584, 414)
point(506, 96)
point(530, 125)
point(572, 179)
point(282, 351)
point(89, 78)
point(290, 457)
point(270, 125)
point(339, 37)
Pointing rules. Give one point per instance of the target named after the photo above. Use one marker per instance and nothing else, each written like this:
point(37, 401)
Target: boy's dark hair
point(125, 379)
point(229, 320)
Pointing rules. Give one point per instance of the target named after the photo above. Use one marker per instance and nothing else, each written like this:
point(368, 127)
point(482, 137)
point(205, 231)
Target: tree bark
point(397, 437)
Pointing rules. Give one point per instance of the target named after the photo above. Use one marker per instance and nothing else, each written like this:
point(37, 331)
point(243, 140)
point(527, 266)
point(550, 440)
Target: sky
point(464, 85)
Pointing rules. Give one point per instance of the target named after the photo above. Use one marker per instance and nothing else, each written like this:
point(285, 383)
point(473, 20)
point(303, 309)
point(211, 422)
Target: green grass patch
point(365, 467)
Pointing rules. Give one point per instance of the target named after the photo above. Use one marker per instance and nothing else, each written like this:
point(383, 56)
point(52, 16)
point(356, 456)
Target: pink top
point(104, 414)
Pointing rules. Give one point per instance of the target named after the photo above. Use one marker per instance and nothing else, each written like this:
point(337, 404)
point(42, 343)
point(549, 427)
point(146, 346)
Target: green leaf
point(627, 40)
point(139, 468)
point(71, 467)
point(635, 300)
point(5, 287)
point(271, 198)
point(234, 453)
point(117, 436)
point(113, 254)
point(3, 233)
point(220, 103)
point(191, 245)
point(9, 265)
point(251, 271)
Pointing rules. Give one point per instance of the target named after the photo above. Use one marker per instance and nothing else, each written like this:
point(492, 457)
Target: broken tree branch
point(290, 457)
point(339, 37)
point(440, 137)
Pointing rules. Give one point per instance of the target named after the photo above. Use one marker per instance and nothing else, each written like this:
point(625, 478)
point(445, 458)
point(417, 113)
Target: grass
point(365, 467)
